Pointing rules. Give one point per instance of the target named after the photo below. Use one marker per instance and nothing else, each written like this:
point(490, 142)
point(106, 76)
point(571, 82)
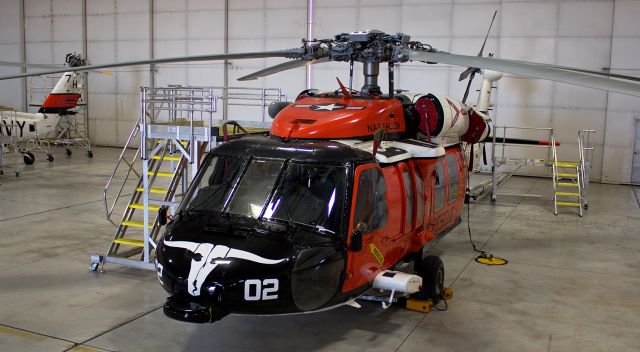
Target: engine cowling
point(447, 118)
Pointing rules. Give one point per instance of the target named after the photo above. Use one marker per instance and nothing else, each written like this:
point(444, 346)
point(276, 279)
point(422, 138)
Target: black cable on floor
point(482, 257)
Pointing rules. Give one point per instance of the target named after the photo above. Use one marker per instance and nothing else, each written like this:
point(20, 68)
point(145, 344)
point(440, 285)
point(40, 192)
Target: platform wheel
point(68, 152)
point(431, 270)
point(49, 157)
point(28, 158)
point(90, 154)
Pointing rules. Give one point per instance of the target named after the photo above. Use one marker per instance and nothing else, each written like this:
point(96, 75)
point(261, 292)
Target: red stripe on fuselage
point(63, 100)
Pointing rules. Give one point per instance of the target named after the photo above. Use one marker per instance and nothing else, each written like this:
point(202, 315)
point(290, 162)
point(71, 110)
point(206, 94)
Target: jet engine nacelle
point(447, 118)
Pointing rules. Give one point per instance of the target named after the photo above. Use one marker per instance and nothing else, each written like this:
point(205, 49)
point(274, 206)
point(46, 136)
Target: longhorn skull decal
point(206, 256)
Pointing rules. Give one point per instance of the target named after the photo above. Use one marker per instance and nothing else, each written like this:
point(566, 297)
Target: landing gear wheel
point(68, 152)
point(49, 157)
point(90, 154)
point(28, 158)
point(431, 270)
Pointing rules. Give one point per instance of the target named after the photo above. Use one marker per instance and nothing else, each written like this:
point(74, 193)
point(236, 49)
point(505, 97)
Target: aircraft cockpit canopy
point(271, 189)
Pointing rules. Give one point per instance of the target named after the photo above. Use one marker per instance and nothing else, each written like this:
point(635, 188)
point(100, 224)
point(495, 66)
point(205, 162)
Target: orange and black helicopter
point(346, 189)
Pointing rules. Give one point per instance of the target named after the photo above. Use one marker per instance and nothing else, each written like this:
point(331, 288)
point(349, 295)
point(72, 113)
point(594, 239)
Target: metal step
point(129, 242)
point(568, 204)
point(160, 173)
point(153, 190)
point(567, 184)
point(138, 224)
point(568, 175)
point(566, 164)
point(141, 206)
point(167, 157)
point(567, 194)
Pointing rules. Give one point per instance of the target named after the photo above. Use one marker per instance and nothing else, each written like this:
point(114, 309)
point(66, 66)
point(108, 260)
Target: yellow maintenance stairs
point(571, 178)
point(166, 171)
point(175, 131)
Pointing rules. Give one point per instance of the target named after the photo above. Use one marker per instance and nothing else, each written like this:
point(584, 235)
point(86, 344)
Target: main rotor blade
point(591, 72)
point(593, 79)
point(283, 67)
point(289, 53)
point(50, 67)
point(20, 64)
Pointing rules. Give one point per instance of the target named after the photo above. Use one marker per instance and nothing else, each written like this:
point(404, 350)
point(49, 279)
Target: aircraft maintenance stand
point(175, 130)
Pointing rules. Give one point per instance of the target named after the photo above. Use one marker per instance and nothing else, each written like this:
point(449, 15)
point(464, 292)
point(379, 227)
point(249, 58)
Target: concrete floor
point(572, 284)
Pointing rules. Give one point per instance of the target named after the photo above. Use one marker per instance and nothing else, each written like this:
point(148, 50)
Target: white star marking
point(329, 107)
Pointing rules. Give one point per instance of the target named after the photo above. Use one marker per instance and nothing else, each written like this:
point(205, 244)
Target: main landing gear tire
point(431, 270)
point(28, 158)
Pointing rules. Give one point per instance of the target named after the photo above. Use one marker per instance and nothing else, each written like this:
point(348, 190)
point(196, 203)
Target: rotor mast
point(371, 70)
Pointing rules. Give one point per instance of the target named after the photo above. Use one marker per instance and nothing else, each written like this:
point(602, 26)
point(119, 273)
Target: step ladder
point(571, 178)
point(567, 188)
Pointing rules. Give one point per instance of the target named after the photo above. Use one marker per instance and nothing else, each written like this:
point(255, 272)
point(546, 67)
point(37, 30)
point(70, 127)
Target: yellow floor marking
point(21, 333)
point(84, 349)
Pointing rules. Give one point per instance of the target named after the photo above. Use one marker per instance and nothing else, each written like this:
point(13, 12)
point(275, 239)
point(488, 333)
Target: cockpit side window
point(371, 211)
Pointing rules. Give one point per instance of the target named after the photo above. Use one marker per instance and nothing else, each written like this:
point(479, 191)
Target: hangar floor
point(571, 283)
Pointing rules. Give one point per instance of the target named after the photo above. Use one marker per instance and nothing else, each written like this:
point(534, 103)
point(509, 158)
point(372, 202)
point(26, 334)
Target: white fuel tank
point(397, 281)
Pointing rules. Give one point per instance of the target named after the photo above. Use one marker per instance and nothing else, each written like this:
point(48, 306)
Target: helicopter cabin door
point(438, 197)
point(409, 200)
point(376, 214)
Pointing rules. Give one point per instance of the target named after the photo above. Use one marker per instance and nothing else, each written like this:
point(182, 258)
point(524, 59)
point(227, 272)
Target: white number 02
point(256, 290)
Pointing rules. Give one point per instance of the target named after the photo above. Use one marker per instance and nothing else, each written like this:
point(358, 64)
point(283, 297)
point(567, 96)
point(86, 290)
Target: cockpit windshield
point(310, 194)
point(306, 193)
point(255, 186)
point(215, 185)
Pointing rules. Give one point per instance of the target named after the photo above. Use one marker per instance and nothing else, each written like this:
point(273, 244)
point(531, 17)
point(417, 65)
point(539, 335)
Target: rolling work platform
point(571, 178)
point(8, 140)
point(175, 130)
point(72, 129)
point(504, 167)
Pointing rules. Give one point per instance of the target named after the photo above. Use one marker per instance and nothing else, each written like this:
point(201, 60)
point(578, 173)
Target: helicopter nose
point(251, 276)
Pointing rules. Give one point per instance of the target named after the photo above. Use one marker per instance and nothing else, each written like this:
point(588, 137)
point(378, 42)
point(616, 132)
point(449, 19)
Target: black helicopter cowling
point(296, 275)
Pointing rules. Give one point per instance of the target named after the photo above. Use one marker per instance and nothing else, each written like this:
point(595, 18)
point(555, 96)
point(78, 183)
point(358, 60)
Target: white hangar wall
point(592, 34)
